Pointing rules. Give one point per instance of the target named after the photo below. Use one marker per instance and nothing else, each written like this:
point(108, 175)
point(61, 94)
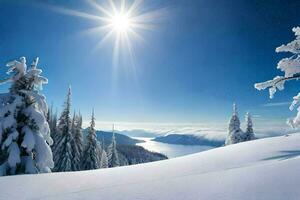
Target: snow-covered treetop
point(248, 119)
point(18, 67)
point(23, 79)
point(92, 132)
point(234, 122)
point(234, 109)
point(291, 68)
point(93, 121)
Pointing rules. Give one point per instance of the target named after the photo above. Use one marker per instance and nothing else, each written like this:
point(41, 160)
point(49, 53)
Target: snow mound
point(260, 169)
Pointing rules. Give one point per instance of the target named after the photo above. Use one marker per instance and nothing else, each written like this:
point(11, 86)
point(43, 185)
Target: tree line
point(34, 140)
point(235, 133)
point(71, 152)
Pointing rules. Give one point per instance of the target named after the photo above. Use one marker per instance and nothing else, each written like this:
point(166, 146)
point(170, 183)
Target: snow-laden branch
point(294, 46)
point(291, 68)
point(277, 83)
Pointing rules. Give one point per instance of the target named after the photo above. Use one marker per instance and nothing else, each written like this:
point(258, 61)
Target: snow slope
point(261, 169)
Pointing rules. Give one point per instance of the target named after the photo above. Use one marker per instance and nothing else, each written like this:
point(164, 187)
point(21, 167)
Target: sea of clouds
point(209, 131)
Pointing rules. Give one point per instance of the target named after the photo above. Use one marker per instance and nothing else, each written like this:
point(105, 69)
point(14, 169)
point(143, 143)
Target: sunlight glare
point(121, 23)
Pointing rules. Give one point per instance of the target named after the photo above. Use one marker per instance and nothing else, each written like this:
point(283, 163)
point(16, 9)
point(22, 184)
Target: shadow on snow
point(285, 155)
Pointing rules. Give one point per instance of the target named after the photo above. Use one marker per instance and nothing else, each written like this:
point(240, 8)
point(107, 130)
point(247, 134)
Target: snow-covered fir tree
point(103, 155)
point(78, 133)
point(99, 150)
point(104, 159)
point(76, 156)
point(235, 134)
point(49, 113)
point(53, 129)
point(52, 121)
point(63, 155)
point(113, 158)
point(291, 68)
point(90, 158)
point(24, 132)
point(249, 133)
point(77, 143)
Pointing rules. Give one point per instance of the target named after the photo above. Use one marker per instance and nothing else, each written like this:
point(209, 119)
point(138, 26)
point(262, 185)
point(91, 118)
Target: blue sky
point(201, 57)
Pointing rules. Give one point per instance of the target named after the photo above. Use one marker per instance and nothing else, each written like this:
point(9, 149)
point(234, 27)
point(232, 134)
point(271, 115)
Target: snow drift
point(260, 169)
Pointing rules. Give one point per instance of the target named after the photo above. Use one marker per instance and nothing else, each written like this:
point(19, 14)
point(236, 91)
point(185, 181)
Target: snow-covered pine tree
point(291, 68)
point(103, 156)
point(104, 159)
point(235, 134)
point(75, 165)
point(63, 151)
point(53, 130)
point(49, 115)
point(24, 133)
point(113, 158)
point(100, 149)
point(249, 133)
point(77, 141)
point(78, 133)
point(91, 152)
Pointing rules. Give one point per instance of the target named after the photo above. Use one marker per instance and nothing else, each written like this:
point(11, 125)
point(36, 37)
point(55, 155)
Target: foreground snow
point(261, 169)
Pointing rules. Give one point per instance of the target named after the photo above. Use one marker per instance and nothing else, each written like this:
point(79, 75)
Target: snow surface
point(260, 169)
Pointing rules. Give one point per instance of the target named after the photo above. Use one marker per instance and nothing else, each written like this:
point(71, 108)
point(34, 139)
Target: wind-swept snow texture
point(260, 169)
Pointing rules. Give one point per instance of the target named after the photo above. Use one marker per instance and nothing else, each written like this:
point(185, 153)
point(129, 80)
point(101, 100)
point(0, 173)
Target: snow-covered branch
point(291, 68)
point(277, 83)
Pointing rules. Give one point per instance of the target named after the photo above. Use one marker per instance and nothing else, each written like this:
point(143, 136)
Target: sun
point(121, 23)
point(124, 21)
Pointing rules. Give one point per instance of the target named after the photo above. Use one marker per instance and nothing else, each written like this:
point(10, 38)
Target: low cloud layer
point(215, 132)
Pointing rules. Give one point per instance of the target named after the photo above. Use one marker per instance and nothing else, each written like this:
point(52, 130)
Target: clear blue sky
point(201, 57)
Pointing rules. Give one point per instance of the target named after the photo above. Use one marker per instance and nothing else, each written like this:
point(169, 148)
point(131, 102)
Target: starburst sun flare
point(121, 21)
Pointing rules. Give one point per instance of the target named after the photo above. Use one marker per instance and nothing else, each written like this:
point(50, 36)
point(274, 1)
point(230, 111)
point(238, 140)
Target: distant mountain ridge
point(188, 140)
point(138, 133)
point(121, 139)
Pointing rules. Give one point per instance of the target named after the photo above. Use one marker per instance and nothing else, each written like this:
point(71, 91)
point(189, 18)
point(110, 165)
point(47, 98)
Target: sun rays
point(121, 21)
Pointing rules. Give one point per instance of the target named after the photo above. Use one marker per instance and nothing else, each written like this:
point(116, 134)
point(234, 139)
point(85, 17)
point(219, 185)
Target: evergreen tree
point(53, 129)
point(113, 158)
point(104, 159)
point(54, 133)
point(103, 155)
point(99, 150)
point(235, 133)
point(63, 151)
point(52, 120)
point(49, 115)
point(77, 143)
point(78, 135)
point(249, 133)
point(91, 152)
point(75, 159)
point(24, 133)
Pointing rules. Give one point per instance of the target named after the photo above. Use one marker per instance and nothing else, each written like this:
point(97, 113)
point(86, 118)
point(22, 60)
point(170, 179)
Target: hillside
point(260, 169)
point(188, 140)
point(136, 154)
